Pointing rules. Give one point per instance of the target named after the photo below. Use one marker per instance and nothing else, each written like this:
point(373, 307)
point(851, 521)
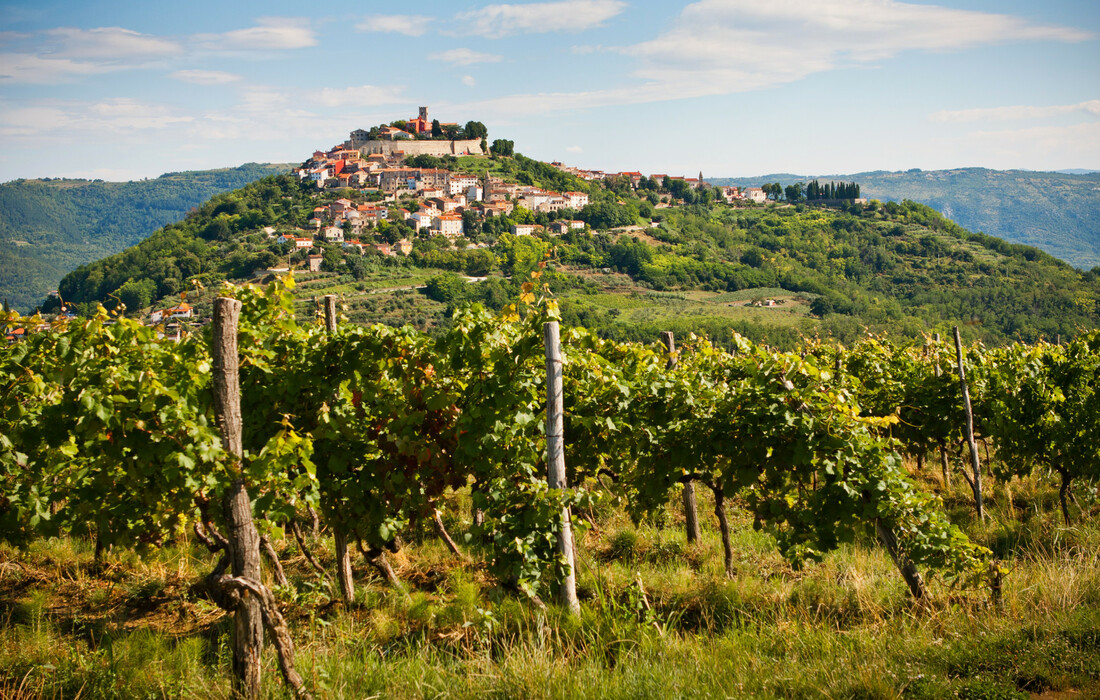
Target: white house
point(577, 200)
point(461, 183)
point(422, 219)
point(755, 194)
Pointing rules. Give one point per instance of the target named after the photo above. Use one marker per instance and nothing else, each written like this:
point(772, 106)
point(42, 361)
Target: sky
point(731, 88)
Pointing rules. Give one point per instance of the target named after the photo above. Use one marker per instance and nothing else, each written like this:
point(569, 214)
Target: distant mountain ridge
point(1058, 212)
point(50, 226)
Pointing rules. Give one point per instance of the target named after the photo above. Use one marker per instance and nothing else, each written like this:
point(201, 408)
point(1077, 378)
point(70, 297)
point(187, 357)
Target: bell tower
point(424, 113)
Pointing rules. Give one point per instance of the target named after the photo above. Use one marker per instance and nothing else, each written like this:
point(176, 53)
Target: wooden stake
point(944, 463)
point(723, 528)
point(555, 462)
point(243, 540)
point(344, 574)
point(691, 508)
point(975, 463)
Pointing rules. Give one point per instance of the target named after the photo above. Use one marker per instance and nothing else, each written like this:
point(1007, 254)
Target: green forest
point(1057, 212)
point(50, 226)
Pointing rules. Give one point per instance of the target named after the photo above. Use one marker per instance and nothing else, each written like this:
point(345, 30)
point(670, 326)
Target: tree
point(437, 130)
point(629, 255)
point(503, 147)
point(603, 215)
point(445, 288)
point(479, 263)
point(136, 294)
point(475, 130)
point(519, 254)
point(793, 192)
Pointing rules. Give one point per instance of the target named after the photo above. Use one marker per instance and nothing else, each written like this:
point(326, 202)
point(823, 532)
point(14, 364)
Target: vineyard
point(307, 466)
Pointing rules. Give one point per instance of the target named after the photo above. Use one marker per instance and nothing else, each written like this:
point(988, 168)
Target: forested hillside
point(697, 266)
point(48, 227)
point(1057, 212)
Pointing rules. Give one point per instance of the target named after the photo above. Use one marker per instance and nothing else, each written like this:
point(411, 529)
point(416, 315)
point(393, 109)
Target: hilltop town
point(425, 194)
point(387, 166)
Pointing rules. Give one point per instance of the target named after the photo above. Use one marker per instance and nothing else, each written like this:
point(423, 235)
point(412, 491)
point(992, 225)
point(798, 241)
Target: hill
point(1056, 212)
point(645, 261)
point(48, 227)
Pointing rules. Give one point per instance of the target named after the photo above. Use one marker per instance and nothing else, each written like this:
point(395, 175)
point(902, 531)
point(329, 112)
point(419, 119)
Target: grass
point(844, 628)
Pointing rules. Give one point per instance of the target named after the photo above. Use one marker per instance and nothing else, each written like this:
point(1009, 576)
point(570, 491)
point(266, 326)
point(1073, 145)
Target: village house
point(315, 262)
point(404, 246)
point(333, 234)
point(392, 133)
point(183, 310)
point(524, 229)
point(422, 219)
point(755, 194)
point(299, 243)
point(449, 225)
point(576, 200)
point(461, 183)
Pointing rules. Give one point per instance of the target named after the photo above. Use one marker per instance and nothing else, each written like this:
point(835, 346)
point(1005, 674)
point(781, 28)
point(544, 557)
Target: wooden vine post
point(339, 534)
point(244, 541)
point(555, 462)
point(691, 509)
point(975, 464)
point(945, 464)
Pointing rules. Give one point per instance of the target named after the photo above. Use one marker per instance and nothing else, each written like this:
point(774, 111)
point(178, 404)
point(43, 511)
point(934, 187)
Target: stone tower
point(424, 113)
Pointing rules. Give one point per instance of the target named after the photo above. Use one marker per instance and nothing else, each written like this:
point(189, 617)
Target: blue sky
point(124, 90)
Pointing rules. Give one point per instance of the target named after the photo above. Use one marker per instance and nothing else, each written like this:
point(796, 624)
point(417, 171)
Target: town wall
point(413, 147)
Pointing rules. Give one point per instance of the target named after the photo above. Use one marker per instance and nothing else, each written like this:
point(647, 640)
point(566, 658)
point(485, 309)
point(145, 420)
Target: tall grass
point(845, 628)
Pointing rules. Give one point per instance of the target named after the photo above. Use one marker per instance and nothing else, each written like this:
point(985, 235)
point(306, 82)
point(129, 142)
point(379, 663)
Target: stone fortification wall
point(415, 148)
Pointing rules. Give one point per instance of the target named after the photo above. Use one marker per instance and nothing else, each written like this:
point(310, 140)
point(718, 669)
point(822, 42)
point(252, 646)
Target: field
point(395, 296)
point(659, 618)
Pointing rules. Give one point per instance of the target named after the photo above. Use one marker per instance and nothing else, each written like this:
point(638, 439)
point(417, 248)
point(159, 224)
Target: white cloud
point(721, 46)
point(574, 149)
point(117, 115)
point(108, 43)
point(409, 25)
point(28, 68)
point(270, 33)
point(497, 21)
point(725, 46)
point(31, 119)
point(204, 77)
point(126, 114)
point(60, 54)
point(1015, 113)
point(464, 57)
point(468, 81)
point(63, 53)
point(359, 96)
